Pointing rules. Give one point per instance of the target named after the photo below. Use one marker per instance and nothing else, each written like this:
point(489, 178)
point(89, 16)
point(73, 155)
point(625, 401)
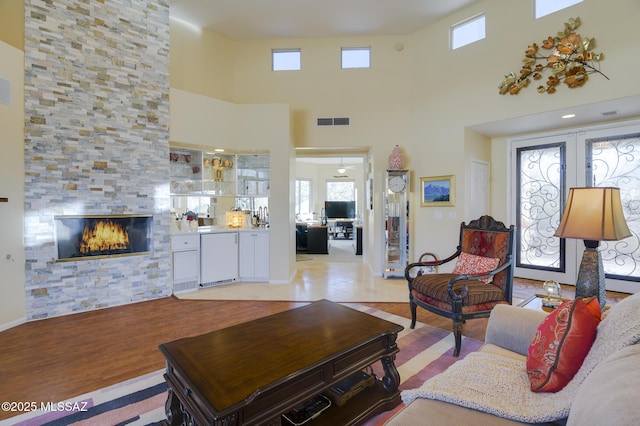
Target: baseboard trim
point(12, 324)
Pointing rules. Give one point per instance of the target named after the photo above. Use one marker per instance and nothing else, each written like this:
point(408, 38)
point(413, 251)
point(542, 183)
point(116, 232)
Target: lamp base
point(591, 275)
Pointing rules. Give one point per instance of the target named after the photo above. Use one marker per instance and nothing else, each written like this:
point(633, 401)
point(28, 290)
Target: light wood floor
point(59, 358)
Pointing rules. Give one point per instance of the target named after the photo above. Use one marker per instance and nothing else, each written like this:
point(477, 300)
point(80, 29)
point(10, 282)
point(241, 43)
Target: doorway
point(543, 169)
point(337, 177)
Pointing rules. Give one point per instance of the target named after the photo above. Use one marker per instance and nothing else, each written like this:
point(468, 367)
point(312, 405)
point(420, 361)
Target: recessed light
point(568, 116)
point(219, 150)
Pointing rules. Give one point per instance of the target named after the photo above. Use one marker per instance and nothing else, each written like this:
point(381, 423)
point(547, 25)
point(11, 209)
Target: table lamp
point(593, 215)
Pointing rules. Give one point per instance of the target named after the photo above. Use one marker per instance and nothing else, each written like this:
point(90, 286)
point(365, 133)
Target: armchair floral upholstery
point(463, 296)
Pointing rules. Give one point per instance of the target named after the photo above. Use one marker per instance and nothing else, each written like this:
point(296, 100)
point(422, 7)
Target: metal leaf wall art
point(570, 59)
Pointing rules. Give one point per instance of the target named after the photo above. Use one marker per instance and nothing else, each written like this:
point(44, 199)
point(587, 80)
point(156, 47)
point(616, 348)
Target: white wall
point(424, 96)
point(12, 258)
point(204, 121)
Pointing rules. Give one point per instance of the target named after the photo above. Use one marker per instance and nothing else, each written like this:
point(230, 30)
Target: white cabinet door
point(218, 258)
point(254, 255)
point(186, 270)
point(186, 262)
point(262, 255)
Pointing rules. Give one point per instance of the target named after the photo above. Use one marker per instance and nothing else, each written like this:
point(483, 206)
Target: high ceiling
point(264, 19)
point(267, 19)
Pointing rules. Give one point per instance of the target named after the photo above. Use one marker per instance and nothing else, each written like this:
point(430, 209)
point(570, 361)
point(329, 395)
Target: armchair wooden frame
point(466, 296)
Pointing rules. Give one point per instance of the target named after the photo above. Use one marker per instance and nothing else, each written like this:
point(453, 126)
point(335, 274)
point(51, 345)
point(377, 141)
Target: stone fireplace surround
point(96, 143)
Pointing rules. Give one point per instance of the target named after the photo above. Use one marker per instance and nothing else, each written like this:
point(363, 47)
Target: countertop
point(219, 230)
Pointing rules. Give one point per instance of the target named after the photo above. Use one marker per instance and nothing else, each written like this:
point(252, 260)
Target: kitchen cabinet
point(254, 256)
point(218, 258)
point(185, 254)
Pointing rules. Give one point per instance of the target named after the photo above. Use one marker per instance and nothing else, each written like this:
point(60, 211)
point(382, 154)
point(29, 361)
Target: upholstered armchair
point(481, 278)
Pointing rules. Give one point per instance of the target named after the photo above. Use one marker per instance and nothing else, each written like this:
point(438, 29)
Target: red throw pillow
point(472, 264)
point(561, 344)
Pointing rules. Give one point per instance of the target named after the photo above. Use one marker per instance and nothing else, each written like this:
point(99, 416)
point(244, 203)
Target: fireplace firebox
point(92, 236)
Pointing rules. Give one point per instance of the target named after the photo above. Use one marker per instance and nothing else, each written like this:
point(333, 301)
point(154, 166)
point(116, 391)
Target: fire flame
point(106, 235)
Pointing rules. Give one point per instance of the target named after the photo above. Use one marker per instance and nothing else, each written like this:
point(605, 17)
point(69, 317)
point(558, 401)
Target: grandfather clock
point(396, 223)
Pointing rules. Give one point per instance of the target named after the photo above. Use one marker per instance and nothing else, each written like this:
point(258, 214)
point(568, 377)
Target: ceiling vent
point(333, 121)
point(609, 113)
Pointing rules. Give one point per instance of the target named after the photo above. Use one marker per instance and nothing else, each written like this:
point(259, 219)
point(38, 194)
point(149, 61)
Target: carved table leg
point(172, 409)
point(391, 379)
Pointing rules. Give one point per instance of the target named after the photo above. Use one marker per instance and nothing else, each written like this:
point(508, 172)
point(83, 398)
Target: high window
point(356, 57)
point(286, 59)
point(468, 31)
point(546, 7)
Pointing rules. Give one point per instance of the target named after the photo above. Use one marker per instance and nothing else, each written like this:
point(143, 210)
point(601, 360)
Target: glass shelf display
point(210, 183)
point(396, 205)
point(253, 175)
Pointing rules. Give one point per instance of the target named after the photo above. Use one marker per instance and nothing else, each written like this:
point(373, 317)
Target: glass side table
point(535, 302)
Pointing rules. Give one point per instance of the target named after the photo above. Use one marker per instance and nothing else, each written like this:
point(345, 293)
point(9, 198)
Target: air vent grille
point(333, 121)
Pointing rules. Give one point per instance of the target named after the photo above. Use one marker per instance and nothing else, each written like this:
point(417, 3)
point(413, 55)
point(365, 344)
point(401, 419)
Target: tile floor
point(341, 276)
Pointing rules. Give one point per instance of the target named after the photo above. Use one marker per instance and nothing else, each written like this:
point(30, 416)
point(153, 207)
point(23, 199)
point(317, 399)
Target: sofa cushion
point(472, 264)
point(491, 383)
point(609, 395)
point(512, 328)
point(432, 412)
point(561, 344)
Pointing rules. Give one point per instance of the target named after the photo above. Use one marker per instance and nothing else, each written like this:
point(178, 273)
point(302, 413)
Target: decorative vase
point(396, 160)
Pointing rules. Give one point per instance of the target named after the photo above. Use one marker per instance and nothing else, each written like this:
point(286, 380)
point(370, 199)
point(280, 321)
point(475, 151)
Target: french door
point(542, 171)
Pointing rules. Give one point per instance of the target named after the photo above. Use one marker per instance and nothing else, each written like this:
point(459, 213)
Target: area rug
point(424, 352)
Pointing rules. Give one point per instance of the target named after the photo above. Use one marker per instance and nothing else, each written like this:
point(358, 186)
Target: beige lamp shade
point(593, 214)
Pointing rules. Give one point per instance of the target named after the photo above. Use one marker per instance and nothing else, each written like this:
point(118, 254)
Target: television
point(340, 209)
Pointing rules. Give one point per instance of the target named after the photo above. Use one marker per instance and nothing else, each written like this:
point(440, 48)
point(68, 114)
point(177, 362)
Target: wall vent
point(333, 121)
point(217, 283)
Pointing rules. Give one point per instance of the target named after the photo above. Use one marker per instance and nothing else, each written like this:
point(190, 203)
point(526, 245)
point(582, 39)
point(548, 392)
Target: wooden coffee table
point(251, 373)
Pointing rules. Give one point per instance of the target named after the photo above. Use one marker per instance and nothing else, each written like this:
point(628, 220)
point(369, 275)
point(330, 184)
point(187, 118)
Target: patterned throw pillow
point(472, 264)
point(561, 343)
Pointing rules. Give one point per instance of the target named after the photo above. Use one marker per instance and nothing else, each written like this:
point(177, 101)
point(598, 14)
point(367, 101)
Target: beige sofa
point(491, 386)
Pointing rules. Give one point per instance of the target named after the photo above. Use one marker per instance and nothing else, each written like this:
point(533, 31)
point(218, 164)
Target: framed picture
point(437, 191)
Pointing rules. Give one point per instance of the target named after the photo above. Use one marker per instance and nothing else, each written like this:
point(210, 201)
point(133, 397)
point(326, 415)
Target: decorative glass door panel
point(541, 195)
point(615, 161)
point(541, 178)
point(543, 169)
